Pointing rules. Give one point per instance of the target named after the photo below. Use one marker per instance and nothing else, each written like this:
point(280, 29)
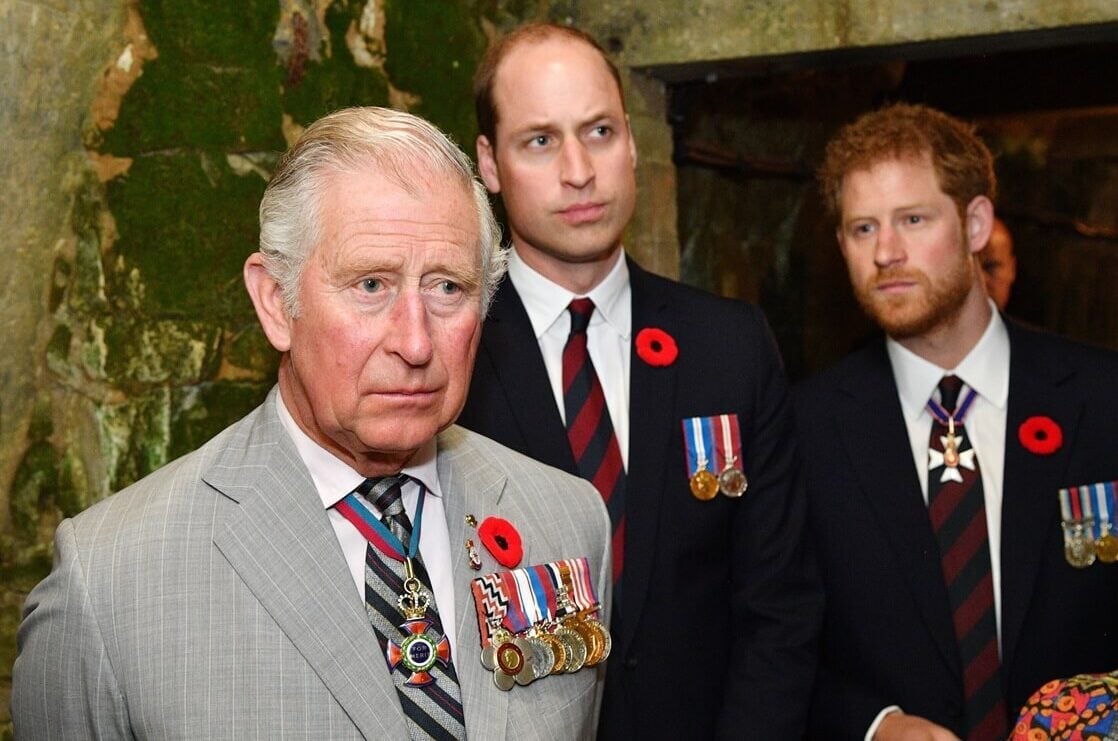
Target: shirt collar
point(546, 302)
point(985, 369)
point(334, 479)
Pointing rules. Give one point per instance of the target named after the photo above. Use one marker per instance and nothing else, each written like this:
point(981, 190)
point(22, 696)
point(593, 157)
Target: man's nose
point(409, 334)
point(889, 247)
point(577, 166)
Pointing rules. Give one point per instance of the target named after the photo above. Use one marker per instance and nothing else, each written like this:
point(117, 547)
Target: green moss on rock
point(177, 352)
point(36, 478)
point(200, 412)
point(226, 33)
point(336, 81)
point(433, 48)
point(249, 350)
point(186, 222)
point(198, 105)
point(135, 436)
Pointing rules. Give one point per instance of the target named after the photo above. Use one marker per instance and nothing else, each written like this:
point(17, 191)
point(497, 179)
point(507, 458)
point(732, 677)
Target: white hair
point(398, 144)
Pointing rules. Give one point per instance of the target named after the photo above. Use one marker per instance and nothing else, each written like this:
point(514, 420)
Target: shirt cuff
point(880, 717)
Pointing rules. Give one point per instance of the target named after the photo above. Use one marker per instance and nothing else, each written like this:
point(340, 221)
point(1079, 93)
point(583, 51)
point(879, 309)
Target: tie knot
point(949, 388)
point(581, 309)
point(384, 493)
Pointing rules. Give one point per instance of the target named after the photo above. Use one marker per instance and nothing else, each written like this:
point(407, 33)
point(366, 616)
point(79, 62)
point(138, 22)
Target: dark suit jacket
point(719, 603)
point(887, 633)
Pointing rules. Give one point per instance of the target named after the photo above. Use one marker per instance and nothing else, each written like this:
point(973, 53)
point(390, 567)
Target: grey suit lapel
point(471, 486)
point(281, 544)
point(870, 427)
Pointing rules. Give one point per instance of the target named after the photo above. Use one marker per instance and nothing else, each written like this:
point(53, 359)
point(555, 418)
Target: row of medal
point(714, 444)
point(1089, 529)
point(539, 621)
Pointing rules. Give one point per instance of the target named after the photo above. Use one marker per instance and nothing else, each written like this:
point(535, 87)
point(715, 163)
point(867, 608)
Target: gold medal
point(732, 482)
point(951, 446)
point(704, 485)
point(598, 642)
point(1079, 550)
point(576, 649)
point(558, 649)
point(1106, 548)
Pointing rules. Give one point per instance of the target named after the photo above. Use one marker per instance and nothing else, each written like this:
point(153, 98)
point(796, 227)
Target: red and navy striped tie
point(957, 509)
point(590, 429)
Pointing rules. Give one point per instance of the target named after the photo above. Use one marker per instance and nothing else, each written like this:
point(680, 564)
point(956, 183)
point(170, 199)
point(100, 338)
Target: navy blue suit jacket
point(719, 602)
point(887, 633)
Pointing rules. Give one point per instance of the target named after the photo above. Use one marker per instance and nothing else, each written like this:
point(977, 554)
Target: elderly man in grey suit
point(270, 584)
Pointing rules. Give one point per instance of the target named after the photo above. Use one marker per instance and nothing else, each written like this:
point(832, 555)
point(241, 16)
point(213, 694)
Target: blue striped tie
point(434, 711)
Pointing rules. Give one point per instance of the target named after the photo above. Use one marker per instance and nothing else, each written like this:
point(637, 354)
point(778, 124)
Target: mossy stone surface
point(186, 223)
point(433, 48)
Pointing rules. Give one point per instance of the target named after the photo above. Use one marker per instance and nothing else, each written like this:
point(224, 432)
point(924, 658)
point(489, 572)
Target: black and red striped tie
point(957, 509)
point(590, 429)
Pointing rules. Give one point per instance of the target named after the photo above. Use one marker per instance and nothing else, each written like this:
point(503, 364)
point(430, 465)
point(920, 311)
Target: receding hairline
point(532, 34)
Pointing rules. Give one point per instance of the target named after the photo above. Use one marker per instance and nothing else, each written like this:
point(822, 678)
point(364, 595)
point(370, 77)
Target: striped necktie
point(957, 509)
point(590, 429)
point(433, 710)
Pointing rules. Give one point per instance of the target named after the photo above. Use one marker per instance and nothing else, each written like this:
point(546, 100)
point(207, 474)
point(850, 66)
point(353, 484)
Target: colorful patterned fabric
point(1082, 708)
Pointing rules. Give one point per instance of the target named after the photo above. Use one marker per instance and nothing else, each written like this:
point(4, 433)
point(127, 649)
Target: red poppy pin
point(1040, 435)
point(656, 347)
point(502, 541)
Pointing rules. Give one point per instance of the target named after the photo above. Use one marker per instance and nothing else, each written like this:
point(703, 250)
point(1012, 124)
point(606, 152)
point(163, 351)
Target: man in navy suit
point(935, 457)
point(718, 604)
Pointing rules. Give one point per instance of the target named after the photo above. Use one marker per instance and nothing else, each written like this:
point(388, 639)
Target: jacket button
point(631, 662)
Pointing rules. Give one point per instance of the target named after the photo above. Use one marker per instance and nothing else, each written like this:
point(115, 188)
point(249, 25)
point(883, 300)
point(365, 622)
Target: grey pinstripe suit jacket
point(211, 600)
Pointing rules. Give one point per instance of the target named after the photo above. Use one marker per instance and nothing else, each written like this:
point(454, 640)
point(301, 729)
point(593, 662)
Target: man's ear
point(632, 142)
point(487, 164)
point(267, 299)
point(980, 222)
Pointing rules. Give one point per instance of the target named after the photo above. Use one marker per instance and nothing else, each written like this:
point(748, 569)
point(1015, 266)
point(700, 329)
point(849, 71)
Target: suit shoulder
point(814, 390)
point(698, 299)
point(161, 494)
point(1038, 343)
point(462, 443)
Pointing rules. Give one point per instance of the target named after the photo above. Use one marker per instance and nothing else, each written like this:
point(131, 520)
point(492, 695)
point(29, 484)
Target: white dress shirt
point(607, 337)
point(986, 370)
point(334, 480)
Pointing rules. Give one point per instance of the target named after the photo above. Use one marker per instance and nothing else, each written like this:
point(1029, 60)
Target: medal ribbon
point(728, 444)
point(1085, 505)
point(960, 411)
point(1104, 505)
point(579, 587)
point(533, 610)
point(518, 618)
point(698, 438)
point(544, 589)
point(355, 509)
point(1069, 506)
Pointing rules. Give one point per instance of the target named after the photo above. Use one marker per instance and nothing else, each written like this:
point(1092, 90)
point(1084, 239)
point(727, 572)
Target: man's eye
point(371, 285)
point(449, 287)
point(602, 131)
point(913, 219)
point(540, 140)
